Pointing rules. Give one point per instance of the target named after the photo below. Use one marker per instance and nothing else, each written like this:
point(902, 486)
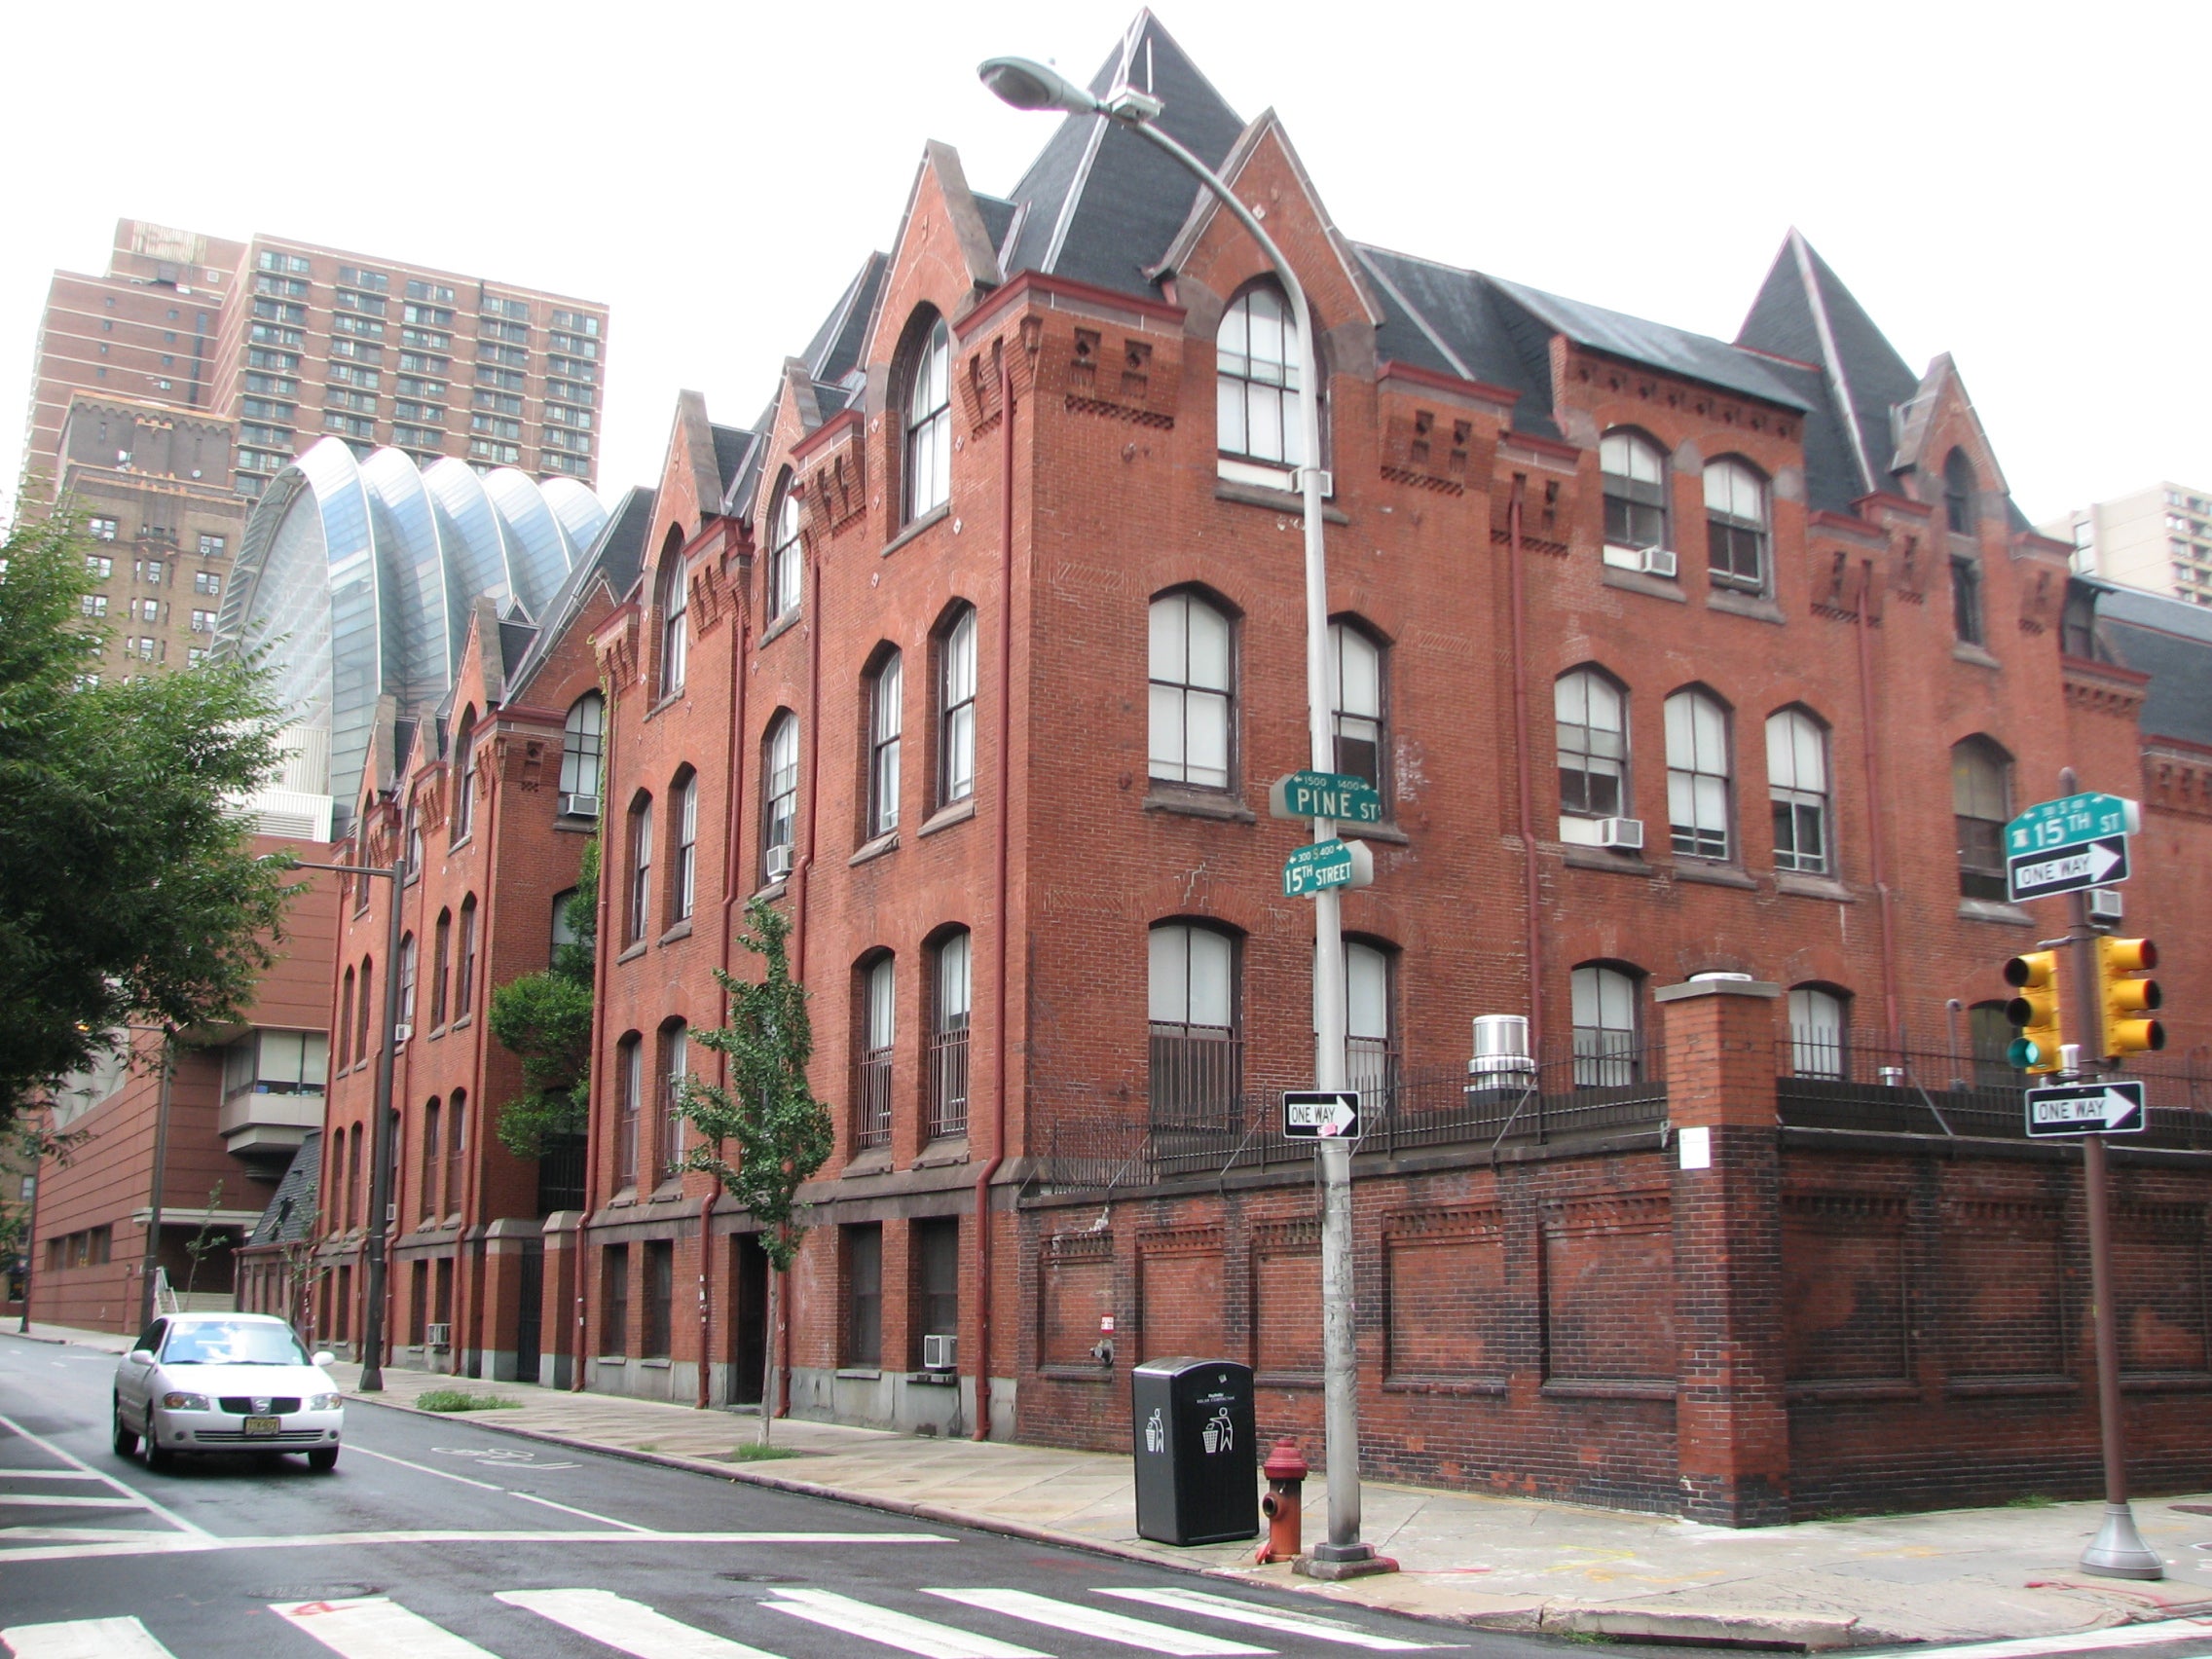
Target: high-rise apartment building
point(2158, 538)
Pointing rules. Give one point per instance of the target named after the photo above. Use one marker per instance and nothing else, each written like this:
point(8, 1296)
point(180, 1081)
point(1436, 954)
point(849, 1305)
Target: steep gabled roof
point(290, 1214)
point(835, 348)
point(614, 557)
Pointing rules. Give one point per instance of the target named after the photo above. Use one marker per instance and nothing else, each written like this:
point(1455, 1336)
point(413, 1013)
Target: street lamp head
point(1028, 85)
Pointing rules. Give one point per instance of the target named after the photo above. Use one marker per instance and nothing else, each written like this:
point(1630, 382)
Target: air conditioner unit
point(437, 1336)
point(401, 1032)
point(2106, 904)
point(1657, 561)
point(579, 805)
point(1623, 833)
point(779, 863)
point(937, 1352)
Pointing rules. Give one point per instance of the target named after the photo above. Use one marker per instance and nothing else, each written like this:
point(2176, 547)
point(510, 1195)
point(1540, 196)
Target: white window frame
point(1798, 785)
point(584, 738)
point(786, 558)
point(1820, 1033)
point(675, 630)
point(1632, 461)
point(927, 453)
point(1700, 777)
point(1606, 1007)
point(956, 698)
point(1193, 694)
point(1736, 501)
point(779, 816)
point(1355, 702)
point(886, 724)
point(687, 847)
point(1259, 429)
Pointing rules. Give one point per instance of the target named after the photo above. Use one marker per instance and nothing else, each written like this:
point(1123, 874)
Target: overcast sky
point(2024, 186)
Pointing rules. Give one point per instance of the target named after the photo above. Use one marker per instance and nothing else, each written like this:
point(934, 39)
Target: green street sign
point(1325, 865)
point(1326, 795)
point(2069, 822)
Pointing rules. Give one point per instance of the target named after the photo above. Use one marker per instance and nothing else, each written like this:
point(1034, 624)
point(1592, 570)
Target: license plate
point(262, 1424)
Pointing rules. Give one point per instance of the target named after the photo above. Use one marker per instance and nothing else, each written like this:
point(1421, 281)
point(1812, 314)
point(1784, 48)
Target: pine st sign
point(2065, 845)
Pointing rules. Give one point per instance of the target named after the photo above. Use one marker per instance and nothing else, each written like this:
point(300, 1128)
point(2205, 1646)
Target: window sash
point(929, 426)
point(582, 743)
point(686, 848)
point(885, 727)
point(786, 567)
point(956, 743)
point(641, 871)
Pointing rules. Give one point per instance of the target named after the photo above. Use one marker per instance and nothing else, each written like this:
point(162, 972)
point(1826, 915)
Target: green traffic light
point(2023, 1053)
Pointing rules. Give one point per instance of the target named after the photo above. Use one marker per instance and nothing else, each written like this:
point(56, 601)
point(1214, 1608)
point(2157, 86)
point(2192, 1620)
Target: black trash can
point(1198, 1466)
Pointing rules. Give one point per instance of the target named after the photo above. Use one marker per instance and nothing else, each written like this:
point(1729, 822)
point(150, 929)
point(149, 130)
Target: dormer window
point(1635, 473)
point(1259, 426)
point(928, 452)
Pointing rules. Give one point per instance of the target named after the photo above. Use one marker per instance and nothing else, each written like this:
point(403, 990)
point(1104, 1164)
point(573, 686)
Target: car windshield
point(232, 1343)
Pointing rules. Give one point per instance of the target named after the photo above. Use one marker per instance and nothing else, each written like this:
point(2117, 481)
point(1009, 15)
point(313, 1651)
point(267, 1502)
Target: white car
point(225, 1382)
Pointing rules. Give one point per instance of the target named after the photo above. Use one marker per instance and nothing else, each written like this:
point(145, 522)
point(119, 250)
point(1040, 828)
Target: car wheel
point(125, 1439)
point(322, 1460)
point(158, 1460)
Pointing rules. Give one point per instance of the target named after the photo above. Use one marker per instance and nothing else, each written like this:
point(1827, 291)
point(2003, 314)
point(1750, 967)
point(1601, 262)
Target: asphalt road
point(435, 1540)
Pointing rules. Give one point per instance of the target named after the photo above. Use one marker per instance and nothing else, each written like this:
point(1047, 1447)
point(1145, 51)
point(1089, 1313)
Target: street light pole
point(1032, 86)
point(380, 1131)
point(150, 1260)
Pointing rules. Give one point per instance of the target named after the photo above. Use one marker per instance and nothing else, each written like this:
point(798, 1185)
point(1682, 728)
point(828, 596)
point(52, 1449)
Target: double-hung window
point(1736, 524)
point(1797, 784)
point(929, 424)
point(684, 889)
point(871, 1091)
point(1607, 1038)
point(1192, 999)
point(948, 1040)
point(1192, 696)
point(956, 705)
point(1355, 666)
point(1634, 477)
point(886, 695)
point(1697, 775)
point(1258, 422)
point(787, 560)
point(1591, 719)
point(779, 815)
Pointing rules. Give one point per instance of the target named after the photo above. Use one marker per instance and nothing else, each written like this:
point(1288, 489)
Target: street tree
point(762, 1133)
point(126, 892)
point(544, 1018)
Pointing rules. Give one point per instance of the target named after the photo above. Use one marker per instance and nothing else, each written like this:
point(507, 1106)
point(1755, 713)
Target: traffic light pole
point(2118, 1550)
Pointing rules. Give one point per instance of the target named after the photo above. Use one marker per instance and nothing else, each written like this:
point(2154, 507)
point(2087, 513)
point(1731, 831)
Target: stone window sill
point(669, 1191)
point(1964, 650)
point(2166, 1382)
point(656, 1362)
point(953, 1149)
point(1636, 582)
point(461, 1022)
point(933, 1379)
point(1844, 1389)
point(1999, 1387)
point(1804, 886)
point(623, 1200)
point(1274, 500)
point(1388, 833)
point(1607, 1389)
point(1713, 875)
point(633, 952)
point(1599, 858)
point(773, 890)
point(1468, 1386)
point(929, 521)
point(570, 824)
point(1076, 1373)
point(783, 624)
point(1994, 910)
point(1286, 1379)
point(1217, 804)
point(681, 930)
point(860, 1374)
point(461, 841)
point(945, 817)
point(1755, 606)
point(670, 701)
point(614, 1359)
point(874, 1160)
point(887, 842)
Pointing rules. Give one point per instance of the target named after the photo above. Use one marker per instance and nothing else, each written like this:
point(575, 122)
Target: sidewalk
point(1499, 1562)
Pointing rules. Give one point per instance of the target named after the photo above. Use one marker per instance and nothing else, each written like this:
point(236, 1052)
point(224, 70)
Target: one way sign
point(2093, 864)
point(2085, 1109)
point(1320, 1114)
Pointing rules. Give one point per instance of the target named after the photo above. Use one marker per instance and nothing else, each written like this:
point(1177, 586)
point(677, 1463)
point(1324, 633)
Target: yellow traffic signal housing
point(2125, 993)
point(2035, 1011)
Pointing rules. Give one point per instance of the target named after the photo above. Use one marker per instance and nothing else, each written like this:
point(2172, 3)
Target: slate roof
point(614, 557)
point(730, 445)
point(291, 1206)
point(2171, 641)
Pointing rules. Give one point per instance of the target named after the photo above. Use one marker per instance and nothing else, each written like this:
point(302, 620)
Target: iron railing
point(948, 1083)
point(871, 1099)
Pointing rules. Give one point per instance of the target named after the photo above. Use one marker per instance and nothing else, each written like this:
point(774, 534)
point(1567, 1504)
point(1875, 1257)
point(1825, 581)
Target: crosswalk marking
point(89, 1472)
point(1094, 1621)
point(375, 1627)
point(627, 1626)
point(84, 1639)
point(1262, 1618)
point(923, 1637)
point(2083, 1641)
point(52, 1501)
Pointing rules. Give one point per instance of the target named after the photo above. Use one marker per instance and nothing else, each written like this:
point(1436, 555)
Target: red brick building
point(1698, 679)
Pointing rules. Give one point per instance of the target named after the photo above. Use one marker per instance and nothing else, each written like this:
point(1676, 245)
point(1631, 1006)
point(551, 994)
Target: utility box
point(1198, 1469)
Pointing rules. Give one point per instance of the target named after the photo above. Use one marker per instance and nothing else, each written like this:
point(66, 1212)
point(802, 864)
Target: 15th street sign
point(2089, 863)
point(2070, 821)
point(2085, 1109)
point(1320, 1114)
point(1324, 864)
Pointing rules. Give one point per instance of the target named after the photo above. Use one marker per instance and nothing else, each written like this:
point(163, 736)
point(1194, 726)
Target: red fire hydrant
point(1286, 1472)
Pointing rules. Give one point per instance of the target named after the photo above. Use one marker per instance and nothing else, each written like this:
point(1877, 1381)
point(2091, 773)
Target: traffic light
point(2035, 1011)
point(2125, 992)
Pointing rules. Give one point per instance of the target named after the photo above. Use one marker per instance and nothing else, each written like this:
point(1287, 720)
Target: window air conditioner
point(437, 1336)
point(1623, 833)
point(579, 805)
point(1658, 561)
point(779, 863)
point(937, 1352)
point(401, 1032)
point(2104, 904)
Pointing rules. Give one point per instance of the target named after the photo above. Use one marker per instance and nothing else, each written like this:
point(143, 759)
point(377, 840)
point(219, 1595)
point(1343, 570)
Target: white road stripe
point(571, 1509)
point(925, 1637)
point(2083, 1641)
point(1264, 1618)
point(487, 1485)
point(43, 1475)
point(376, 1626)
point(84, 1639)
point(43, 1500)
point(1098, 1623)
point(627, 1626)
point(144, 1502)
point(168, 1543)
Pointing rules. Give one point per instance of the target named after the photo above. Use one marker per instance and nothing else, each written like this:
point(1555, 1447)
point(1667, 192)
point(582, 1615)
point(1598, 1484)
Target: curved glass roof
point(357, 575)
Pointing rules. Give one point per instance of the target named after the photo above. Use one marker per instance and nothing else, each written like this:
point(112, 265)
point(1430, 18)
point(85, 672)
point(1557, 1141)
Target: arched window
point(674, 600)
point(950, 1001)
point(668, 1127)
point(1368, 1037)
point(629, 1089)
point(956, 709)
point(433, 1175)
point(457, 1143)
point(414, 842)
point(1355, 711)
point(1634, 477)
point(1591, 715)
point(779, 799)
point(928, 453)
point(441, 967)
point(1820, 1031)
point(464, 814)
point(464, 976)
point(1989, 1037)
point(1258, 419)
point(361, 1048)
point(346, 1020)
point(683, 811)
point(786, 556)
point(353, 1178)
point(1981, 801)
point(1195, 1048)
point(1966, 599)
point(1960, 487)
point(886, 719)
point(1191, 692)
point(638, 911)
point(564, 930)
point(1798, 786)
point(583, 741)
point(1697, 775)
point(1609, 1032)
point(874, 1032)
point(1736, 524)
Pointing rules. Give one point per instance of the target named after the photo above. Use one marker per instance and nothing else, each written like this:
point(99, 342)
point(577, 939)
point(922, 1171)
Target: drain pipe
point(1532, 942)
point(601, 973)
point(1882, 893)
point(739, 638)
point(1003, 817)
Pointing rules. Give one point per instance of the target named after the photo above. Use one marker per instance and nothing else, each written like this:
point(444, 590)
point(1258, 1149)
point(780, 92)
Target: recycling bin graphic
point(1198, 1472)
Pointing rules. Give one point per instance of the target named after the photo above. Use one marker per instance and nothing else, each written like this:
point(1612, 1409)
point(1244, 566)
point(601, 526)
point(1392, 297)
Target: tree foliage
point(544, 1018)
point(126, 893)
point(764, 1134)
